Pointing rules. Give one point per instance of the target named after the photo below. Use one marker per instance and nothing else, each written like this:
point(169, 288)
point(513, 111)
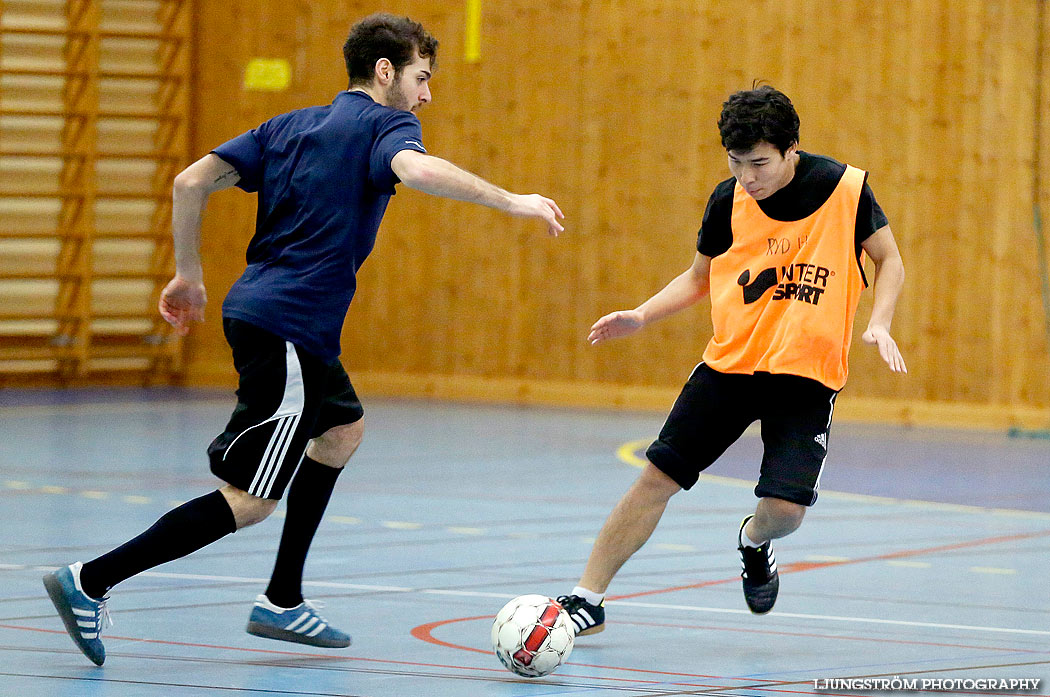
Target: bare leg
point(774, 518)
point(247, 509)
point(628, 527)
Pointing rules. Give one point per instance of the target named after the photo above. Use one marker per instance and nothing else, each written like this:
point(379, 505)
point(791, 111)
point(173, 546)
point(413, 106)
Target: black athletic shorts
point(285, 397)
point(713, 410)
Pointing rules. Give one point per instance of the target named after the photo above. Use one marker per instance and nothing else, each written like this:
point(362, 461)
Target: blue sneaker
point(301, 624)
point(81, 614)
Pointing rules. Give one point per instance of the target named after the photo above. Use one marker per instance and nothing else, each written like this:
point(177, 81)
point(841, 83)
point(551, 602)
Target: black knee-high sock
point(178, 532)
point(307, 498)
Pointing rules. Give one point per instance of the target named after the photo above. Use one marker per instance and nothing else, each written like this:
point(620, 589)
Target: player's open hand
point(536, 206)
point(615, 325)
point(182, 302)
point(880, 336)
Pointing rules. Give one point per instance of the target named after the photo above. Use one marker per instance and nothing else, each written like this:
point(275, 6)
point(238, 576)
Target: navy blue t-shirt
point(324, 180)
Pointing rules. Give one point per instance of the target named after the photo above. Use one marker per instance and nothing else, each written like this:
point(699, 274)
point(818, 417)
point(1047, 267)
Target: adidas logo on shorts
point(823, 440)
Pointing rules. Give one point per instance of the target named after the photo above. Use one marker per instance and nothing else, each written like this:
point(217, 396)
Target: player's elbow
point(189, 184)
point(891, 265)
point(699, 286)
point(414, 169)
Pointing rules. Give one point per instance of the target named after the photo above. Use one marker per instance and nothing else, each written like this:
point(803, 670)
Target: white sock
point(265, 602)
point(746, 541)
point(588, 595)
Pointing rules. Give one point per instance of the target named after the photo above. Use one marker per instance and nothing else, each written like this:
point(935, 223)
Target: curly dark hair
point(383, 35)
point(760, 114)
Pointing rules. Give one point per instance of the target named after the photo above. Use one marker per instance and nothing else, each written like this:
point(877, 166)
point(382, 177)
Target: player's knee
point(783, 516)
point(247, 509)
point(654, 483)
point(254, 511)
point(335, 446)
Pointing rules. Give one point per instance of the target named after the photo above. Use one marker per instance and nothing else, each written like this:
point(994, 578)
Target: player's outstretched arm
point(183, 299)
point(685, 290)
point(438, 177)
point(889, 278)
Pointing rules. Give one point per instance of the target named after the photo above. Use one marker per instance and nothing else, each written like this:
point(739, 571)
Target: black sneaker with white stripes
point(759, 573)
point(586, 618)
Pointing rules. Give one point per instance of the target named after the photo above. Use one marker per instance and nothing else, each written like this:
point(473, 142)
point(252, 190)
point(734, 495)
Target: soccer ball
point(532, 635)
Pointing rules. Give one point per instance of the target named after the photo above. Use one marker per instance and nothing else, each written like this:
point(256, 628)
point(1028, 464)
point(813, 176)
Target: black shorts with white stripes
point(285, 397)
point(715, 408)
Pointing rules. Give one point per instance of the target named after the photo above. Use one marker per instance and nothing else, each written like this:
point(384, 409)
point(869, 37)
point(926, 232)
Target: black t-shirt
point(815, 179)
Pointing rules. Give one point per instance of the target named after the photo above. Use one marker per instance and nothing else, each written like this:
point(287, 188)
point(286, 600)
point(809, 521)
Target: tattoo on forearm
point(226, 175)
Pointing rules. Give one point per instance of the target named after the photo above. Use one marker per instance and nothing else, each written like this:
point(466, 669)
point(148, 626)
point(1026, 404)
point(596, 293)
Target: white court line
point(246, 579)
point(625, 603)
point(833, 618)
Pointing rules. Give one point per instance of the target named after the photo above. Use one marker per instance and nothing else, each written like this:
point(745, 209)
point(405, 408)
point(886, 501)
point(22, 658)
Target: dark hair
point(759, 114)
point(383, 35)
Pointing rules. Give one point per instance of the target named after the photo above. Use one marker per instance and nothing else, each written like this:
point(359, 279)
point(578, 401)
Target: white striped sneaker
point(82, 615)
point(586, 618)
point(758, 570)
point(301, 624)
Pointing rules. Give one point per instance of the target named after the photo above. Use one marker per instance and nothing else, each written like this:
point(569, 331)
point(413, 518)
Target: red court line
point(771, 686)
point(808, 566)
point(337, 658)
point(424, 632)
point(274, 652)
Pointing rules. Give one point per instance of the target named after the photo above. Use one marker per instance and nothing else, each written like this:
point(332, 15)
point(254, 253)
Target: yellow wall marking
point(267, 75)
point(472, 33)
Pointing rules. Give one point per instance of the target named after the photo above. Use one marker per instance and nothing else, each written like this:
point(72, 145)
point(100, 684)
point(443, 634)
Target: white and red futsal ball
point(532, 635)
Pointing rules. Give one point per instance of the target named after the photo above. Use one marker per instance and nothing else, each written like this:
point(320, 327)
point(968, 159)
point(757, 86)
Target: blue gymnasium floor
point(926, 557)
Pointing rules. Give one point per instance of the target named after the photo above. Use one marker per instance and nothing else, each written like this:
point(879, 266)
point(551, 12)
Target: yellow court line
point(993, 570)
point(628, 454)
point(401, 525)
point(671, 547)
point(461, 530)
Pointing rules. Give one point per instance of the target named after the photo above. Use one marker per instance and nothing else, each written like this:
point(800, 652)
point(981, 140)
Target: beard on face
point(395, 96)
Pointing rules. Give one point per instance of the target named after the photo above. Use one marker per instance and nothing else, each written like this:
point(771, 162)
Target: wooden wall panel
point(610, 108)
point(1037, 369)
